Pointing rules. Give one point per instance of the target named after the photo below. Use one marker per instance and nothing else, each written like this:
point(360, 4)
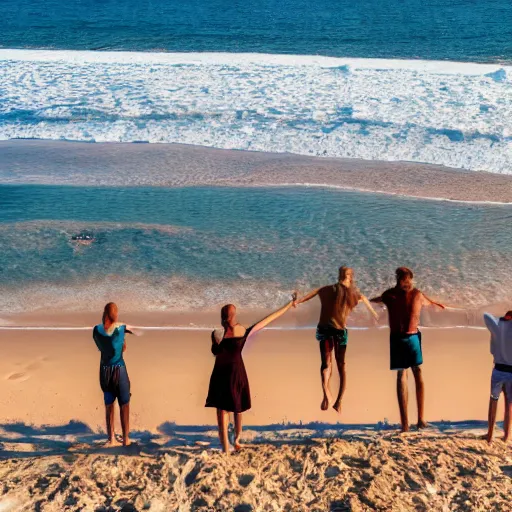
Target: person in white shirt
point(501, 379)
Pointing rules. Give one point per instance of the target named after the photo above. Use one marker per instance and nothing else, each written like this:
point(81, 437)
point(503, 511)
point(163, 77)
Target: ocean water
point(395, 101)
point(388, 80)
point(199, 247)
point(458, 115)
point(466, 30)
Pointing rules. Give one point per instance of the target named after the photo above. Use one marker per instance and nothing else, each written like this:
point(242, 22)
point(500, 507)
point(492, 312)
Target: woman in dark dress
point(229, 387)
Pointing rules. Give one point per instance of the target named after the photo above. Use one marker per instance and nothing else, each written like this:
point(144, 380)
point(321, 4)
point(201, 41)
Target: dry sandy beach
point(297, 458)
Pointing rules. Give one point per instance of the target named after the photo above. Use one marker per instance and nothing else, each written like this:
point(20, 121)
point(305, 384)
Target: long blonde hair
point(347, 297)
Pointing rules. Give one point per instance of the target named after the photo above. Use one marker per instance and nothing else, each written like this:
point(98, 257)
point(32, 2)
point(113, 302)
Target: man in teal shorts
point(336, 301)
point(404, 304)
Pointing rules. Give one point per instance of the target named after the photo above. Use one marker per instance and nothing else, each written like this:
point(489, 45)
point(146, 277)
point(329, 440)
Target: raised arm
point(491, 322)
point(273, 316)
point(308, 296)
point(366, 302)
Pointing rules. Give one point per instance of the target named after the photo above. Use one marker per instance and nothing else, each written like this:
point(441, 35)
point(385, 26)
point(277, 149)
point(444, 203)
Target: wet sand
point(175, 165)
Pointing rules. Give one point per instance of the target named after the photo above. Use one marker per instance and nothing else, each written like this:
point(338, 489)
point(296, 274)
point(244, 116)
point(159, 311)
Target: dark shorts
point(501, 381)
point(115, 384)
point(405, 351)
point(329, 333)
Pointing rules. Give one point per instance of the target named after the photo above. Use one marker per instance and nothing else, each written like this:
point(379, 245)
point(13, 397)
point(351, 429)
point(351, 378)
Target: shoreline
point(303, 319)
point(178, 165)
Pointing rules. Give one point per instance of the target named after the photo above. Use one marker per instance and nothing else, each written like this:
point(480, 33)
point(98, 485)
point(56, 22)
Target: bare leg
point(420, 396)
point(125, 423)
point(493, 407)
point(222, 421)
point(340, 352)
point(508, 416)
point(325, 372)
point(238, 430)
point(403, 396)
point(109, 416)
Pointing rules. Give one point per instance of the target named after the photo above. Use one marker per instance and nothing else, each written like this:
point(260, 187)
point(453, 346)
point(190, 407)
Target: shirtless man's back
point(404, 304)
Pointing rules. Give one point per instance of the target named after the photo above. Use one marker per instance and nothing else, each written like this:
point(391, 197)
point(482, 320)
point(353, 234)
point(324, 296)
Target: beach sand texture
point(359, 472)
point(296, 458)
point(180, 165)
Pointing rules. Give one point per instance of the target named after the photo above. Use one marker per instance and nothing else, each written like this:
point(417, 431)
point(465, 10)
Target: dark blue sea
point(463, 30)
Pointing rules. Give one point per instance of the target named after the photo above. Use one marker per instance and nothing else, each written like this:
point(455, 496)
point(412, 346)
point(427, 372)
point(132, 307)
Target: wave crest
point(454, 114)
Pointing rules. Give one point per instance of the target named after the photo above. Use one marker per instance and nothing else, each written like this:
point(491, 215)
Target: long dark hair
point(404, 277)
point(347, 297)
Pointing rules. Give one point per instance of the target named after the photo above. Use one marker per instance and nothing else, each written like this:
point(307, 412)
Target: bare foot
point(488, 438)
point(505, 439)
point(405, 429)
point(325, 403)
point(237, 445)
point(422, 424)
point(337, 406)
point(111, 443)
point(127, 442)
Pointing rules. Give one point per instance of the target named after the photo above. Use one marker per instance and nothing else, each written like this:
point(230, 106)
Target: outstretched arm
point(366, 302)
point(430, 302)
point(308, 296)
point(377, 300)
point(128, 329)
point(273, 316)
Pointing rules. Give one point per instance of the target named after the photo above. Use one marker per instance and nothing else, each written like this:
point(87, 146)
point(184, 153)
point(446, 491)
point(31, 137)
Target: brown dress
point(229, 386)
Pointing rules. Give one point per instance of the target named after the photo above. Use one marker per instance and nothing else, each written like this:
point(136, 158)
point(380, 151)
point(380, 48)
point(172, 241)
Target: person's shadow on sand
point(19, 440)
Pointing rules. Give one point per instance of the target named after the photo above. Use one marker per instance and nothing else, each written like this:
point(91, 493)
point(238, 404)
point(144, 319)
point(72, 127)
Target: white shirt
point(501, 338)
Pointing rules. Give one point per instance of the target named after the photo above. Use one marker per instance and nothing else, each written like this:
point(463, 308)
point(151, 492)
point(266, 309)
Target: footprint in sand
point(19, 376)
point(24, 375)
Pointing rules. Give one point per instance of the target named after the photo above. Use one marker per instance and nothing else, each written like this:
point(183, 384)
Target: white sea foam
point(450, 113)
point(212, 58)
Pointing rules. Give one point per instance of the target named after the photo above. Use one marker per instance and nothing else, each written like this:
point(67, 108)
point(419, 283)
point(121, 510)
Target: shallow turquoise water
point(198, 247)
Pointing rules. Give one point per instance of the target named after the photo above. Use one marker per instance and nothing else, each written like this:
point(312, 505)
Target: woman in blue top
point(114, 381)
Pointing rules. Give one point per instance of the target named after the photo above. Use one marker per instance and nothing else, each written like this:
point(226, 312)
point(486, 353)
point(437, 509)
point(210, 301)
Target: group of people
point(229, 386)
